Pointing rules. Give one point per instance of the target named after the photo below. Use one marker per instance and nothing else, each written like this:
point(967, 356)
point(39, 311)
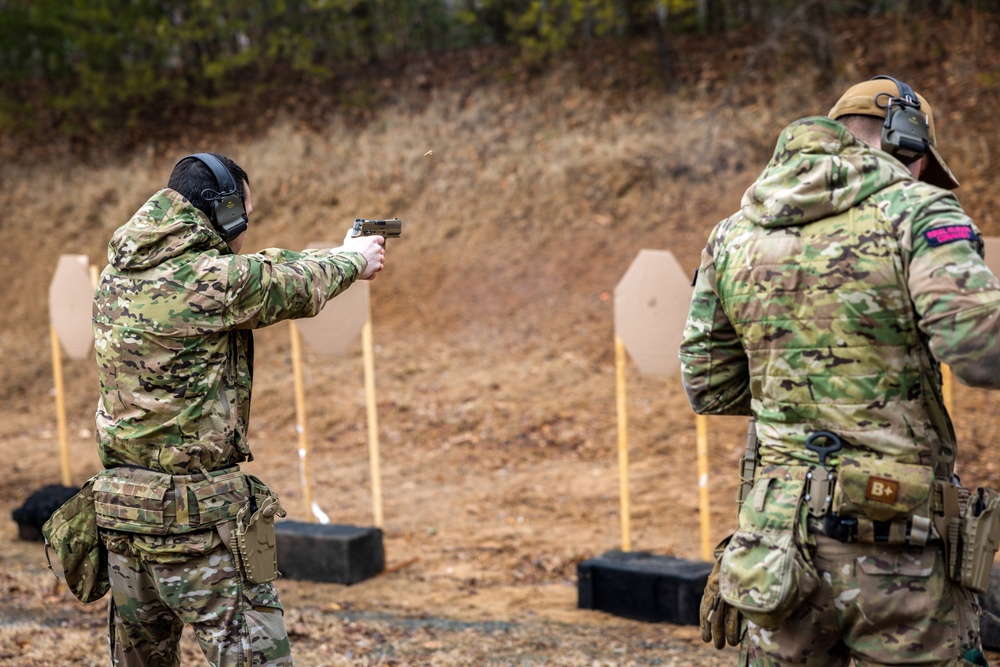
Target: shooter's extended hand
point(371, 247)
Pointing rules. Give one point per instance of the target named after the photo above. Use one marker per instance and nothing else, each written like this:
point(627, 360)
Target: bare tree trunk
point(716, 16)
point(941, 7)
point(658, 21)
point(362, 16)
point(817, 18)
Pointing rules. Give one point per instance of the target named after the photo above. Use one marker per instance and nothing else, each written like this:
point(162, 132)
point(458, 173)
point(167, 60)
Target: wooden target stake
point(368, 353)
point(305, 475)
point(623, 492)
point(57, 375)
point(701, 430)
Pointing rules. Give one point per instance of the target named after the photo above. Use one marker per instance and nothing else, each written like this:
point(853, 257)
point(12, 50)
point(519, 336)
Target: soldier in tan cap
point(823, 310)
point(863, 110)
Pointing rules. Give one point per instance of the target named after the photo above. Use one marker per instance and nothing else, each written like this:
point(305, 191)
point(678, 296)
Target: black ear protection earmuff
point(229, 214)
point(906, 132)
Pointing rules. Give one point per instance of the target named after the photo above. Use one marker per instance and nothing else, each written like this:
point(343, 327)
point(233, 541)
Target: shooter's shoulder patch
point(949, 234)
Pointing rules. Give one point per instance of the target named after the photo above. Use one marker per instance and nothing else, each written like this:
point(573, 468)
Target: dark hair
point(191, 177)
point(865, 128)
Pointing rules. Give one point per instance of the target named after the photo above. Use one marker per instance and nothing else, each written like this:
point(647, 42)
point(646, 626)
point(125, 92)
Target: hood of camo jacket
point(165, 228)
point(818, 169)
point(172, 324)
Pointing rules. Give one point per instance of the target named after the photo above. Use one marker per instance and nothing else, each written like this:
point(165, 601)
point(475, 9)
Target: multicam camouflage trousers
point(878, 605)
point(161, 583)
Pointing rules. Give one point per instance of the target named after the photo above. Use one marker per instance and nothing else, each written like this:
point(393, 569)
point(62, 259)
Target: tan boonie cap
point(859, 100)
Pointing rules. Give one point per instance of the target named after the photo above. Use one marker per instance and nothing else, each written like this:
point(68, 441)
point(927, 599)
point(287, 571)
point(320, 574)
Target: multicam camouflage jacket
point(172, 320)
point(828, 300)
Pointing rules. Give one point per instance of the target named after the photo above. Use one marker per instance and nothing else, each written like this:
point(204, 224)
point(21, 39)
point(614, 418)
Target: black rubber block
point(643, 586)
point(329, 553)
point(39, 506)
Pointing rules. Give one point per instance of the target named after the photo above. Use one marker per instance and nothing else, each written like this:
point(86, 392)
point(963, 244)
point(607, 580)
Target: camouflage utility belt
point(868, 500)
point(901, 531)
point(139, 500)
point(871, 500)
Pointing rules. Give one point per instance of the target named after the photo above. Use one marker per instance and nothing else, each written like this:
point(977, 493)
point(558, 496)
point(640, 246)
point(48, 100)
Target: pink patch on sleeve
point(941, 235)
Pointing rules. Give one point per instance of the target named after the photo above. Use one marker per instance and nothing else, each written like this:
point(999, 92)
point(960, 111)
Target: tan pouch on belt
point(882, 490)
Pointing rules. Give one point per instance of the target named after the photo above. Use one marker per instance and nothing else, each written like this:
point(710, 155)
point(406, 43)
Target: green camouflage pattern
point(764, 570)
point(161, 583)
point(173, 316)
point(821, 304)
point(897, 604)
point(136, 500)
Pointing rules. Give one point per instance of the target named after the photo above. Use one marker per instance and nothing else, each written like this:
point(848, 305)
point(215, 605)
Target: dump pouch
point(766, 571)
point(72, 533)
point(882, 490)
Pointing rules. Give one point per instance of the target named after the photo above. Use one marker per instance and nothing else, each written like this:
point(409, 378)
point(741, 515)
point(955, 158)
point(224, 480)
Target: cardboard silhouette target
point(651, 304)
point(992, 247)
point(71, 302)
point(331, 332)
point(334, 330)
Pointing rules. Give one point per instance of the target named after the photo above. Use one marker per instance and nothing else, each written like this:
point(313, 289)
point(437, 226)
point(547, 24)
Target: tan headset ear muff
point(229, 214)
point(906, 132)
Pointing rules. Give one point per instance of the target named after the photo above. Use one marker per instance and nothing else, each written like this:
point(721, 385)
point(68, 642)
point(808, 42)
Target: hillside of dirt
point(526, 195)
